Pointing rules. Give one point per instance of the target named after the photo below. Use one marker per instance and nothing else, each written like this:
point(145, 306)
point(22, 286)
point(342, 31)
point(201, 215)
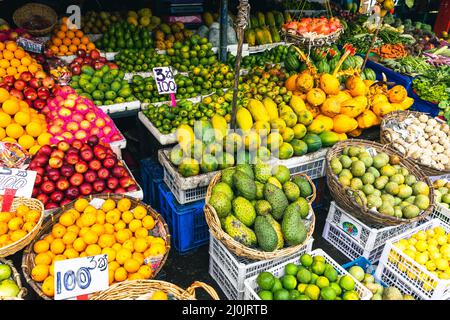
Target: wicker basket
point(312, 41)
point(28, 254)
point(22, 243)
point(142, 289)
point(385, 139)
point(238, 248)
point(25, 12)
point(348, 199)
point(16, 276)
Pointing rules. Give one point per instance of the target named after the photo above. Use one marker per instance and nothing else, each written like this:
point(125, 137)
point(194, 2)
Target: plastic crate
point(368, 237)
point(421, 281)
point(347, 245)
point(311, 164)
point(320, 190)
point(391, 75)
point(251, 286)
point(151, 177)
point(184, 196)
point(238, 269)
point(187, 223)
point(223, 281)
point(390, 278)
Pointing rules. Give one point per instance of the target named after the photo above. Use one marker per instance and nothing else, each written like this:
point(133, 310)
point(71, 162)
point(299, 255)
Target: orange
point(49, 238)
point(21, 210)
point(84, 40)
point(70, 34)
point(32, 216)
point(122, 255)
point(113, 265)
point(127, 216)
point(90, 46)
point(15, 224)
point(11, 46)
point(69, 237)
point(19, 53)
point(25, 61)
point(61, 34)
point(67, 42)
point(110, 252)
point(101, 217)
point(129, 244)
point(56, 41)
point(81, 204)
point(157, 249)
point(14, 130)
point(43, 258)
point(76, 41)
point(140, 245)
point(73, 49)
point(4, 64)
point(145, 271)
point(88, 219)
point(141, 233)
point(57, 246)
point(124, 204)
point(39, 273)
point(90, 237)
point(3, 228)
point(120, 225)
point(21, 69)
point(8, 55)
point(58, 230)
point(99, 229)
point(148, 222)
point(63, 49)
point(64, 27)
point(110, 276)
point(82, 46)
point(59, 257)
point(22, 118)
point(17, 235)
point(11, 71)
point(2, 45)
point(2, 72)
point(28, 226)
point(120, 274)
point(14, 62)
point(122, 236)
point(131, 265)
point(6, 216)
point(33, 67)
point(75, 229)
point(26, 141)
point(48, 287)
point(93, 250)
point(67, 219)
point(79, 34)
point(2, 133)
point(139, 212)
point(113, 216)
point(79, 245)
point(134, 224)
point(158, 240)
point(54, 49)
point(10, 106)
point(71, 253)
point(5, 119)
point(135, 276)
point(139, 257)
point(117, 246)
point(34, 149)
point(90, 210)
point(108, 205)
point(109, 228)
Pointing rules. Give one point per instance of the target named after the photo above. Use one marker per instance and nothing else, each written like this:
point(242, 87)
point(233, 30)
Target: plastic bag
point(12, 155)
point(203, 31)
point(214, 34)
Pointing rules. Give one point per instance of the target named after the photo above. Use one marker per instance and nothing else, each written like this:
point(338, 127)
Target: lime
point(319, 258)
point(301, 287)
point(289, 282)
point(328, 293)
point(265, 295)
point(312, 291)
point(304, 275)
point(357, 272)
point(330, 273)
point(294, 294)
point(303, 297)
point(350, 295)
point(306, 260)
point(290, 269)
point(313, 278)
point(277, 285)
point(335, 286)
point(265, 280)
point(318, 267)
point(347, 283)
point(281, 294)
point(322, 282)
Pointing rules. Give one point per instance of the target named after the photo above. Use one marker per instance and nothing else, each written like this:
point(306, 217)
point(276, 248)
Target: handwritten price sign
point(165, 80)
point(20, 180)
point(81, 276)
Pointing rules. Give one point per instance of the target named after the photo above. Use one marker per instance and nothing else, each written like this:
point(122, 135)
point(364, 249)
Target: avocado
point(238, 231)
point(221, 203)
point(244, 185)
point(268, 233)
point(277, 199)
point(244, 211)
point(292, 226)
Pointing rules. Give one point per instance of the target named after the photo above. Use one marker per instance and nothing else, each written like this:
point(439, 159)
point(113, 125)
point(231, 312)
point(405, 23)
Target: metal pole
point(371, 44)
point(241, 23)
point(223, 30)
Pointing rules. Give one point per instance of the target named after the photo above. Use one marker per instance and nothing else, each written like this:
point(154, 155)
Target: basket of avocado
point(259, 212)
point(376, 184)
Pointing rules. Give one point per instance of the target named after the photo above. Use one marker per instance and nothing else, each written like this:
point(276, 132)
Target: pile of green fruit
point(379, 292)
point(211, 78)
point(122, 35)
point(194, 51)
point(312, 279)
point(104, 86)
point(381, 183)
point(441, 190)
point(275, 55)
point(98, 22)
point(8, 287)
point(143, 60)
point(262, 207)
point(263, 28)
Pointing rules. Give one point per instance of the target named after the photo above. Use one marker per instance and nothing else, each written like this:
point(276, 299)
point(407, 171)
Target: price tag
point(31, 45)
point(81, 276)
point(165, 82)
point(20, 180)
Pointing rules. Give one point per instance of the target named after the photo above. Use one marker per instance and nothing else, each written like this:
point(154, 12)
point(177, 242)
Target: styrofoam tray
point(164, 139)
point(120, 107)
point(264, 47)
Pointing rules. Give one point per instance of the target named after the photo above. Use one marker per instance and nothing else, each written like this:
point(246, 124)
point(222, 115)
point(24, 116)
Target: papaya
point(262, 128)
point(261, 19)
point(342, 96)
point(343, 123)
point(220, 126)
point(271, 108)
point(270, 19)
point(297, 104)
point(315, 111)
point(254, 21)
point(304, 82)
point(329, 138)
point(354, 107)
point(316, 97)
point(313, 142)
point(244, 119)
point(275, 35)
point(305, 117)
point(185, 135)
point(327, 121)
point(355, 133)
point(377, 98)
point(250, 37)
point(329, 84)
point(397, 94)
point(342, 136)
point(331, 106)
point(260, 37)
point(267, 35)
point(316, 127)
point(257, 110)
point(355, 86)
point(367, 119)
point(290, 83)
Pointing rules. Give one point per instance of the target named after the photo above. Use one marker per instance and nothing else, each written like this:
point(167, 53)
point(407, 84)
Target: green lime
point(350, 295)
point(312, 291)
point(281, 294)
point(328, 293)
point(313, 278)
point(319, 258)
point(303, 297)
point(304, 275)
point(318, 267)
point(289, 282)
point(347, 283)
point(265, 295)
point(335, 286)
point(290, 269)
point(322, 282)
point(306, 260)
point(301, 287)
point(277, 285)
point(294, 294)
point(330, 273)
point(265, 280)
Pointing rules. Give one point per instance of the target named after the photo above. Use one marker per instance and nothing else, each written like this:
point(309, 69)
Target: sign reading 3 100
point(165, 80)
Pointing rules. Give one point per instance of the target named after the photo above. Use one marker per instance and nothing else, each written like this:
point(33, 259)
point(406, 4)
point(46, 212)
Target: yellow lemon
point(110, 252)
point(134, 225)
point(157, 249)
point(131, 265)
point(140, 245)
point(93, 250)
point(11, 106)
point(124, 204)
point(441, 264)
point(108, 205)
point(159, 295)
point(14, 130)
point(43, 258)
point(22, 118)
point(441, 239)
point(422, 258)
point(431, 266)
point(148, 222)
point(139, 212)
point(421, 245)
point(421, 235)
point(5, 119)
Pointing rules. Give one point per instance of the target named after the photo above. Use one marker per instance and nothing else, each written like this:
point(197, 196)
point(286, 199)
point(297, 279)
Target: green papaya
point(275, 35)
point(250, 37)
point(270, 19)
point(287, 17)
point(260, 37)
point(267, 35)
point(261, 19)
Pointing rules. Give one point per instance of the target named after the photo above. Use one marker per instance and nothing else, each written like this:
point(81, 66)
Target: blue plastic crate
point(187, 224)
point(366, 265)
point(391, 75)
point(424, 106)
point(151, 177)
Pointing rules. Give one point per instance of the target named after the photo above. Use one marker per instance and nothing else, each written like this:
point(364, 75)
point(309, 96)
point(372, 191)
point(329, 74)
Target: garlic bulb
point(423, 118)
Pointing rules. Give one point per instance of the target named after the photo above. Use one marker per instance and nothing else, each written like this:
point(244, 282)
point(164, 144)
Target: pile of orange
point(21, 124)
point(16, 225)
point(115, 229)
point(66, 42)
point(14, 60)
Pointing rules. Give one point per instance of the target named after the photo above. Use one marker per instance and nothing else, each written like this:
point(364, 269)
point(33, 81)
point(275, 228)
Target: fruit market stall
point(306, 158)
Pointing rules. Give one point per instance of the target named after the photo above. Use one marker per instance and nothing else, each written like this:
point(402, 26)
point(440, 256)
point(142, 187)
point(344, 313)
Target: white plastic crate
point(391, 278)
point(347, 245)
point(184, 196)
point(440, 212)
point(311, 164)
point(238, 269)
point(120, 107)
point(368, 237)
point(224, 281)
point(251, 286)
point(422, 281)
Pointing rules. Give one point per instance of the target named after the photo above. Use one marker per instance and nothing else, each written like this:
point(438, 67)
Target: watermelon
point(291, 63)
point(313, 142)
point(318, 55)
point(358, 61)
point(332, 63)
point(369, 74)
point(323, 67)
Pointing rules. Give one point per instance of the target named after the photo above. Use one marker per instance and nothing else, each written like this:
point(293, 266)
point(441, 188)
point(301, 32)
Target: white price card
point(165, 80)
point(81, 276)
point(20, 180)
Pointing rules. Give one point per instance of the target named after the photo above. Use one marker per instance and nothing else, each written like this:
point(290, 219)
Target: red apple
point(125, 182)
point(51, 205)
point(9, 80)
point(77, 144)
point(35, 192)
point(38, 104)
point(55, 130)
point(40, 171)
point(119, 171)
point(94, 54)
point(103, 173)
point(19, 85)
point(64, 202)
point(120, 190)
point(45, 150)
point(57, 196)
point(64, 112)
point(38, 180)
point(48, 82)
point(90, 176)
point(72, 126)
point(86, 189)
point(112, 65)
point(35, 83)
point(47, 187)
point(95, 165)
point(98, 186)
point(76, 70)
point(81, 53)
point(30, 93)
point(112, 183)
point(57, 154)
point(53, 174)
point(109, 162)
point(81, 135)
point(55, 162)
point(62, 184)
point(81, 167)
point(100, 152)
point(76, 179)
point(82, 107)
point(72, 158)
point(63, 146)
point(132, 188)
point(86, 154)
point(43, 93)
point(26, 76)
point(72, 150)
point(94, 131)
point(72, 192)
point(42, 198)
point(16, 93)
point(92, 141)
